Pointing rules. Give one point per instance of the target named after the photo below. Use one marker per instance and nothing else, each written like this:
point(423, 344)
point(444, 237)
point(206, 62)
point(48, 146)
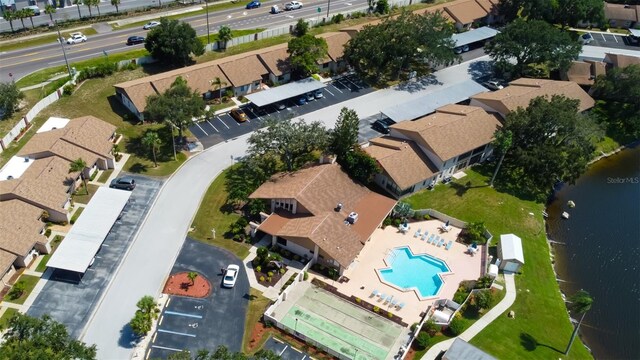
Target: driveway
point(195, 324)
point(71, 303)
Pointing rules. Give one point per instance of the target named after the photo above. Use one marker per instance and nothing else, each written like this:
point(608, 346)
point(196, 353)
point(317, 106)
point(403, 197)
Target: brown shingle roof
point(86, 137)
point(276, 61)
point(521, 91)
point(402, 160)
point(466, 12)
point(452, 130)
point(580, 73)
point(244, 71)
point(621, 61)
point(335, 44)
point(6, 260)
point(319, 189)
point(620, 12)
point(20, 227)
point(44, 184)
point(490, 6)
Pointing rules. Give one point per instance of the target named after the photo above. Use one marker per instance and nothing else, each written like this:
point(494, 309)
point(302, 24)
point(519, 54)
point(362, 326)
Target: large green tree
point(152, 141)
point(551, 141)
point(10, 97)
point(360, 165)
point(618, 107)
point(247, 175)
point(344, 136)
point(144, 316)
point(178, 105)
point(50, 10)
point(401, 45)
point(172, 42)
point(580, 304)
point(116, 3)
point(10, 16)
point(29, 338)
point(224, 36)
point(292, 142)
point(563, 12)
point(523, 44)
point(304, 54)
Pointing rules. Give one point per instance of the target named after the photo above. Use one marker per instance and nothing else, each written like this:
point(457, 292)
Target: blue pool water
point(418, 271)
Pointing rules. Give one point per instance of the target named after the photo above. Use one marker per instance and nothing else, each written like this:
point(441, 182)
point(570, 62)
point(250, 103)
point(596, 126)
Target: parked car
point(318, 94)
point(633, 40)
point(132, 40)
point(253, 5)
point(275, 9)
point(493, 85)
point(75, 38)
point(460, 49)
point(301, 100)
point(382, 125)
point(230, 276)
point(239, 115)
point(123, 183)
point(151, 24)
point(447, 180)
point(36, 9)
point(281, 106)
point(310, 97)
point(293, 5)
point(586, 38)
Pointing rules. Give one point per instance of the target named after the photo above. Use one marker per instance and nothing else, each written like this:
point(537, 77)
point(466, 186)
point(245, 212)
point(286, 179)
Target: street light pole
point(206, 6)
point(173, 140)
point(328, 6)
point(64, 52)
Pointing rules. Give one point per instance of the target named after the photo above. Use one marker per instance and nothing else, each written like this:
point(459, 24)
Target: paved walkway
point(473, 330)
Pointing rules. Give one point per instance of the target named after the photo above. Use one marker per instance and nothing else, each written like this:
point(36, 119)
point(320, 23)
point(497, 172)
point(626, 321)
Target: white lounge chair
point(418, 233)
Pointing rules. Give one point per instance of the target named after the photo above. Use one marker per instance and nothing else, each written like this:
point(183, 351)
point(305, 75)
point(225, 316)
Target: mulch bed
point(179, 284)
point(274, 279)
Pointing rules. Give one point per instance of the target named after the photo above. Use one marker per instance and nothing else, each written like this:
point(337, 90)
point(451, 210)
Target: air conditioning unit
point(352, 218)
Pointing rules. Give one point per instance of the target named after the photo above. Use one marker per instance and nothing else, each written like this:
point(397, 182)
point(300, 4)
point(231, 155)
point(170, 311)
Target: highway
point(22, 62)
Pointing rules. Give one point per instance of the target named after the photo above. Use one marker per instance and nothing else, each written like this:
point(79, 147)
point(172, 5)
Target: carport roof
point(284, 92)
point(635, 32)
point(428, 103)
point(472, 36)
point(86, 236)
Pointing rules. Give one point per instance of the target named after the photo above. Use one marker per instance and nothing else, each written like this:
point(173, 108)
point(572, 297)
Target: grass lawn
point(76, 215)
point(42, 265)
point(104, 176)
point(8, 314)
point(81, 196)
point(31, 97)
point(541, 328)
point(606, 145)
point(49, 39)
point(214, 215)
point(30, 282)
point(257, 305)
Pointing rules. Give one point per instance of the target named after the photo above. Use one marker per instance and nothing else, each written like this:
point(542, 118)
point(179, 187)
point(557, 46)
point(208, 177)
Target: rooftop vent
point(352, 218)
point(10, 177)
point(26, 159)
point(339, 207)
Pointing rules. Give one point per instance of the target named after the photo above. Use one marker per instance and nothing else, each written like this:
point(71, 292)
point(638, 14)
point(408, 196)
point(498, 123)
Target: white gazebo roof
point(511, 246)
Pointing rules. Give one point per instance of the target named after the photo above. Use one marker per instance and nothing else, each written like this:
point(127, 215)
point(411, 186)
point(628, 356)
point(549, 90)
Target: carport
point(430, 102)
point(86, 236)
point(471, 36)
point(635, 32)
point(283, 92)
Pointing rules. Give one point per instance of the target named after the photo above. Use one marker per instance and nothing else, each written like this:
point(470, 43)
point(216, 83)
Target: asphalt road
point(25, 61)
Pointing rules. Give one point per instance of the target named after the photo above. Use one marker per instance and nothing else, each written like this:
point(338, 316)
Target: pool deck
point(364, 277)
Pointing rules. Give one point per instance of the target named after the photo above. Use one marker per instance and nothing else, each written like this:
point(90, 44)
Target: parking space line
point(175, 333)
point(212, 125)
point(354, 84)
point(198, 125)
point(603, 38)
point(254, 114)
point(167, 348)
point(182, 314)
point(327, 90)
point(148, 354)
point(160, 321)
point(283, 350)
point(337, 88)
point(223, 123)
point(615, 38)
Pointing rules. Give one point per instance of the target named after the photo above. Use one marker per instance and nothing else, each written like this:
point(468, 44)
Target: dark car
point(133, 40)
point(301, 100)
point(254, 5)
point(382, 125)
point(123, 183)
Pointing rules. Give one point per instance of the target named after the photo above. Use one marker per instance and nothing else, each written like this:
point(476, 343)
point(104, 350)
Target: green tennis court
point(341, 326)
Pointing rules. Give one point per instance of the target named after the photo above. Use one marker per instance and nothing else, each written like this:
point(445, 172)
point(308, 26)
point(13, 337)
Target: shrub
point(483, 299)
point(333, 273)
point(258, 268)
point(389, 314)
point(474, 232)
point(301, 28)
point(430, 327)
point(386, 222)
point(422, 340)
point(376, 309)
point(270, 274)
point(296, 257)
point(67, 90)
point(269, 278)
point(229, 94)
point(358, 300)
point(456, 326)
point(100, 71)
point(461, 295)
point(47, 232)
point(413, 327)
point(337, 19)
point(262, 252)
point(17, 290)
point(282, 271)
point(427, 217)
point(305, 276)
point(261, 278)
point(483, 282)
point(130, 66)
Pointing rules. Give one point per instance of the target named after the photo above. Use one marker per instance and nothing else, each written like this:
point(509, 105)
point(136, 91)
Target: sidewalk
point(473, 330)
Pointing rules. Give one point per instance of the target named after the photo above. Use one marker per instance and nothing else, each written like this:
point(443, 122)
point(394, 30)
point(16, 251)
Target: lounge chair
point(440, 242)
point(400, 306)
point(430, 240)
point(436, 240)
point(374, 293)
point(424, 236)
point(383, 297)
point(394, 302)
point(449, 245)
point(418, 233)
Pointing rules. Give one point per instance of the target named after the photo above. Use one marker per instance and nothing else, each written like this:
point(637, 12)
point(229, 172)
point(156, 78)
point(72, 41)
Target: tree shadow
point(249, 297)
point(481, 70)
point(506, 184)
point(461, 189)
point(530, 343)
point(121, 110)
point(418, 84)
point(128, 339)
point(138, 168)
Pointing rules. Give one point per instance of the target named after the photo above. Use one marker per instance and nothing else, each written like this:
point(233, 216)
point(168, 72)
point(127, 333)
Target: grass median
point(541, 328)
point(42, 40)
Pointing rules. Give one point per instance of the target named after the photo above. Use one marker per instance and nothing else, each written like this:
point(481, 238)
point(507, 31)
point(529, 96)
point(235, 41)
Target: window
point(282, 241)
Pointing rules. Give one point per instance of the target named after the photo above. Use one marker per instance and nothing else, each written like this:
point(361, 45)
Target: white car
point(151, 24)
point(76, 38)
point(230, 276)
point(586, 39)
point(294, 5)
point(493, 85)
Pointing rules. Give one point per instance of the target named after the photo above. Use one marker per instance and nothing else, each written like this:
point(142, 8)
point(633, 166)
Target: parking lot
point(613, 41)
point(195, 324)
point(223, 127)
point(285, 351)
point(71, 302)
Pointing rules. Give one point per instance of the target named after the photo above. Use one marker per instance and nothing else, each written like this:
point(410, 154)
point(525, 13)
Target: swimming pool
point(414, 272)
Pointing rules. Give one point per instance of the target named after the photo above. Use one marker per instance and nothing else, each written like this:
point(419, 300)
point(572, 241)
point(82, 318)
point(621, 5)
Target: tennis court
point(342, 326)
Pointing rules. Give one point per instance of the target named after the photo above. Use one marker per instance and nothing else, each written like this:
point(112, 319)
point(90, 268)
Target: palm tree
point(10, 16)
point(217, 85)
point(96, 3)
point(89, 4)
point(502, 143)
point(50, 10)
point(224, 36)
point(152, 141)
point(116, 3)
point(21, 14)
point(78, 3)
point(30, 14)
point(79, 165)
point(580, 304)
point(192, 275)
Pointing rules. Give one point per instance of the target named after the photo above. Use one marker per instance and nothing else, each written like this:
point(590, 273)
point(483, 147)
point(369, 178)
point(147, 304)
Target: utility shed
point(462, 350)
point(510, 253)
